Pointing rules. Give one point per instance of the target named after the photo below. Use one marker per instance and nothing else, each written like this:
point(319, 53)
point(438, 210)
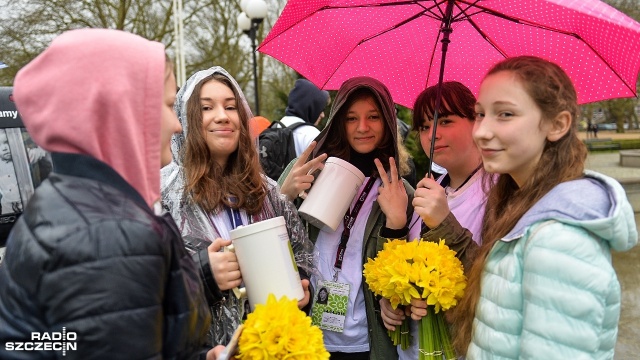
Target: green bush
point(625, 144)
point(413, 144)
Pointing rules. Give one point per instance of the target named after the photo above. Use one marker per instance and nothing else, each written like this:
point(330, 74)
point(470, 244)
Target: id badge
point(330, 305)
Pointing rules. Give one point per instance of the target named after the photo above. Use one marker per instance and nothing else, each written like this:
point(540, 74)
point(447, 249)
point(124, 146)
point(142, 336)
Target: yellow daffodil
point(279, 330)
point(424, 270)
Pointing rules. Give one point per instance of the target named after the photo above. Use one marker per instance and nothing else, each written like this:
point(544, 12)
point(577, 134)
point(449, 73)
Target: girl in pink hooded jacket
point(90, 260)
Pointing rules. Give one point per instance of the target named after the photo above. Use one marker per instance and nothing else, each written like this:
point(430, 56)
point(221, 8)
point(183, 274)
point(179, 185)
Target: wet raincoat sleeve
point(193, 223)
point(195, 227)
point(303, 248)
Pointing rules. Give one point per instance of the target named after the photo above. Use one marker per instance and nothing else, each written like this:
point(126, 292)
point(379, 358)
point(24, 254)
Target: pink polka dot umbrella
point(399, 42)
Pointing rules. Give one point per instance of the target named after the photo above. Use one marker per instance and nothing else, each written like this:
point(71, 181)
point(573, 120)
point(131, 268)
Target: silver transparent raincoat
point(195, 225)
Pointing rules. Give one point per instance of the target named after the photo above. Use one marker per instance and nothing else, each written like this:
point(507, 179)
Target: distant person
point(306, 104)
point(91, 254)
point(594, 128)
point(287, 139)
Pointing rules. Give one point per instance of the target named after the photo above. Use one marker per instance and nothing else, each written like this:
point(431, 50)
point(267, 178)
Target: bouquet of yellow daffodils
point(279, 330)
point(423, 270)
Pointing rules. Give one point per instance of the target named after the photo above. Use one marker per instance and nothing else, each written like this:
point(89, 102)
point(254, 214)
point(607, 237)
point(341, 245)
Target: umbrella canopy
point(399, 42)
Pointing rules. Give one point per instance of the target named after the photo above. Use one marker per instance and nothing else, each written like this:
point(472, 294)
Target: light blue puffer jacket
point(549, 290)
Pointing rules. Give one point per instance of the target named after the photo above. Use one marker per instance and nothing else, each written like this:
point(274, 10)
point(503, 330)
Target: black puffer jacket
point(89, 255)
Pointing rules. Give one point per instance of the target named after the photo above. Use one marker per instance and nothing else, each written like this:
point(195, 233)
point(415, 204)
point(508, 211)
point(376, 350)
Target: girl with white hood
point(216, 184)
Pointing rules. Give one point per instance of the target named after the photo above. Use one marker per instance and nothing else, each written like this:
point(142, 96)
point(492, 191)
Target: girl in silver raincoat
point(216, 184)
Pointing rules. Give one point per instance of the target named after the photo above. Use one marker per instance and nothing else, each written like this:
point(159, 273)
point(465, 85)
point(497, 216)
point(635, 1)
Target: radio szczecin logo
point(46, 341)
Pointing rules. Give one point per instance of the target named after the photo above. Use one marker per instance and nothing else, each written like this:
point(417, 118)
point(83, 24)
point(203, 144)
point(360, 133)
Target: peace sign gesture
point(392, 196)
point(300, 177)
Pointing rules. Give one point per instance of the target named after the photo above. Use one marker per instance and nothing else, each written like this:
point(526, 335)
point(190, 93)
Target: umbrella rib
point(413, 17)
point(430, 10)
point(369, 38)
point(433, 53)
point(331, 7)
point(435, 45)
point(633, 90)
point(409, 19)
point(535, 25)
point(578, 37)
point(463, 15)
point(487, 38)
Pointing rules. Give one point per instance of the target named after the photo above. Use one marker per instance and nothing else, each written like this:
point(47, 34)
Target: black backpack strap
point(276, 122)
point(297, 125)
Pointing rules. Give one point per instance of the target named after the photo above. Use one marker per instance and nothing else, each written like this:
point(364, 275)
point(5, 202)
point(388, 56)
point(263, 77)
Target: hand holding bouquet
point(422, 270)
point(279, 330)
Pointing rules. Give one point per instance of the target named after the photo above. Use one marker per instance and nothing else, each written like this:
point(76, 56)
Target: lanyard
point(447, 180)
point(349, 219)
point(234, 217)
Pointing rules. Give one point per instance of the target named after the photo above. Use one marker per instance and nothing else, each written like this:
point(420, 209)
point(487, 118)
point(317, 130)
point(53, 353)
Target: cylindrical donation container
point(266, 261)
point(331, 193)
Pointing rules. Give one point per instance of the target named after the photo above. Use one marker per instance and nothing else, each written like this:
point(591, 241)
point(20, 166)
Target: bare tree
point(26, 28)
point(210, 36)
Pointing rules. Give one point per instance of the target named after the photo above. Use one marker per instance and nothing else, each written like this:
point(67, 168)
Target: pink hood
point(98, 92)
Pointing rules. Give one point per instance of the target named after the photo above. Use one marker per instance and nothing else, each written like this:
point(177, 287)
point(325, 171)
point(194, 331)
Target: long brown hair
point(210, 185)
point(403, 157)
point(563, 160)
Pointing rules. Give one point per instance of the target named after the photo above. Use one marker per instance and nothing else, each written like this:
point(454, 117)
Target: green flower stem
point(401, 336)
point(393, 335)
point(445, 338)
point(437, 348)
point(427, 334)
point(405, 334)
point(421, 340)
point(434, 339)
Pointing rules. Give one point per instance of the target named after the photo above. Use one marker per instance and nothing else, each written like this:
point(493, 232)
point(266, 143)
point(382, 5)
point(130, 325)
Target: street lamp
point(253, 12)
point(178, 23)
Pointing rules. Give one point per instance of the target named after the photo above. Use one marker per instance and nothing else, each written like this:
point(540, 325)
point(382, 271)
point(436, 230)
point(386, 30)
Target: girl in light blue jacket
point(542, 286)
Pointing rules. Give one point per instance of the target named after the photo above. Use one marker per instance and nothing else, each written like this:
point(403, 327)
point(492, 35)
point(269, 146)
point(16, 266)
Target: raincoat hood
point(71, 102)
point(306, 101)
point(383, 97)
point(177, 142)
point(595, 202)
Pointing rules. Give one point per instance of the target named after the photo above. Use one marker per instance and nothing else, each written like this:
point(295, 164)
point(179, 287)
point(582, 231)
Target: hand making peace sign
point(300, 177)
point(392, 196)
